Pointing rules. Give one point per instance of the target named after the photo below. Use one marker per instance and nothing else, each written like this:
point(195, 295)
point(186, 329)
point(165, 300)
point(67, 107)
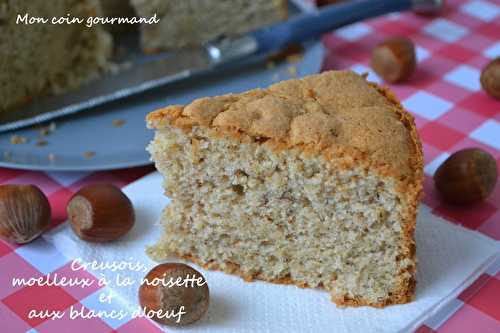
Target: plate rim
point(100, 167)
point(316, 45)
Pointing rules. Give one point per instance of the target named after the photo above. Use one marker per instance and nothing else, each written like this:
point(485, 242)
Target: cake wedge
point(313, 182)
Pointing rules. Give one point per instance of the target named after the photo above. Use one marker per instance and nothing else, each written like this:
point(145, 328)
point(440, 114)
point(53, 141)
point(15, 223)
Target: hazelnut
point(100, 213)
point(24, 213)
point(394, 59)
point(490, 78)
point(467, 176)
point(188, 294)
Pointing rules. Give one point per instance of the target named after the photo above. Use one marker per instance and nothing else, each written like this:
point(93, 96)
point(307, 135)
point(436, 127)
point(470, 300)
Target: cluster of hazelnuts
point(394, 60)
point(103, 213)
point(97, 213)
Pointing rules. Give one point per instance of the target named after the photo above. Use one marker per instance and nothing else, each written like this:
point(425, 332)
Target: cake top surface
point(335, 108)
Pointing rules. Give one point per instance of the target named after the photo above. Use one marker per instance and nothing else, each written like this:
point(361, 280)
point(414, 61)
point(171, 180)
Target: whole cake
point(313, 182)
point(43, 58)
point(193, 22)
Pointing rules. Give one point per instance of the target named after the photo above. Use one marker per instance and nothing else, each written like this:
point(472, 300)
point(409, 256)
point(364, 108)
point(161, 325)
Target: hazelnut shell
point(100, 213)
point(24, 213)
point(467, 176)
point(394, 59)
point(490, 78)
point(194, 299)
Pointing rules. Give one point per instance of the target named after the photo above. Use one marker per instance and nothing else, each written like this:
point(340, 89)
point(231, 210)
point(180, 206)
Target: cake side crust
point(404, 295)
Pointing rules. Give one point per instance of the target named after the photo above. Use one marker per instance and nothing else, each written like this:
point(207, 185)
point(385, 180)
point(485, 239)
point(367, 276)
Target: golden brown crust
point(334, 114)
point(406, 295)
point(333, 109)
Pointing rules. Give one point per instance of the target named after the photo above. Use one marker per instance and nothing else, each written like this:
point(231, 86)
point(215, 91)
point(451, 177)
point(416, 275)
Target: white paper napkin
point(450, 258)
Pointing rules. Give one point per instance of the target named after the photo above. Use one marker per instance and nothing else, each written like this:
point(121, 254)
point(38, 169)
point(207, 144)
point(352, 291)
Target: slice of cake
point(313, 182)
point(192, 22)
point(39, 59)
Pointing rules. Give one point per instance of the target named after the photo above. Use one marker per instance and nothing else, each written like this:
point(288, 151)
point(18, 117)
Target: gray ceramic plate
point(92, 141)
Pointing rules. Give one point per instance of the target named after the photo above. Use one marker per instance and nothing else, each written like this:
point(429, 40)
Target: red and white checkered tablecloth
point(451, 111)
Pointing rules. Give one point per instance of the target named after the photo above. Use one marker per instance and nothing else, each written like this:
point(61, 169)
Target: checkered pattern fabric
point(40, 259)
point(451, 113)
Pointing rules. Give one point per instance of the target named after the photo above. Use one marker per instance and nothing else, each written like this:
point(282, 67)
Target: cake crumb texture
point(42, 59)
point(313, 182)
point(190, 23)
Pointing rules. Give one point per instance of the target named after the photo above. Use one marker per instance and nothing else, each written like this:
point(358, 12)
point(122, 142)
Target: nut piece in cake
point(313, 182)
